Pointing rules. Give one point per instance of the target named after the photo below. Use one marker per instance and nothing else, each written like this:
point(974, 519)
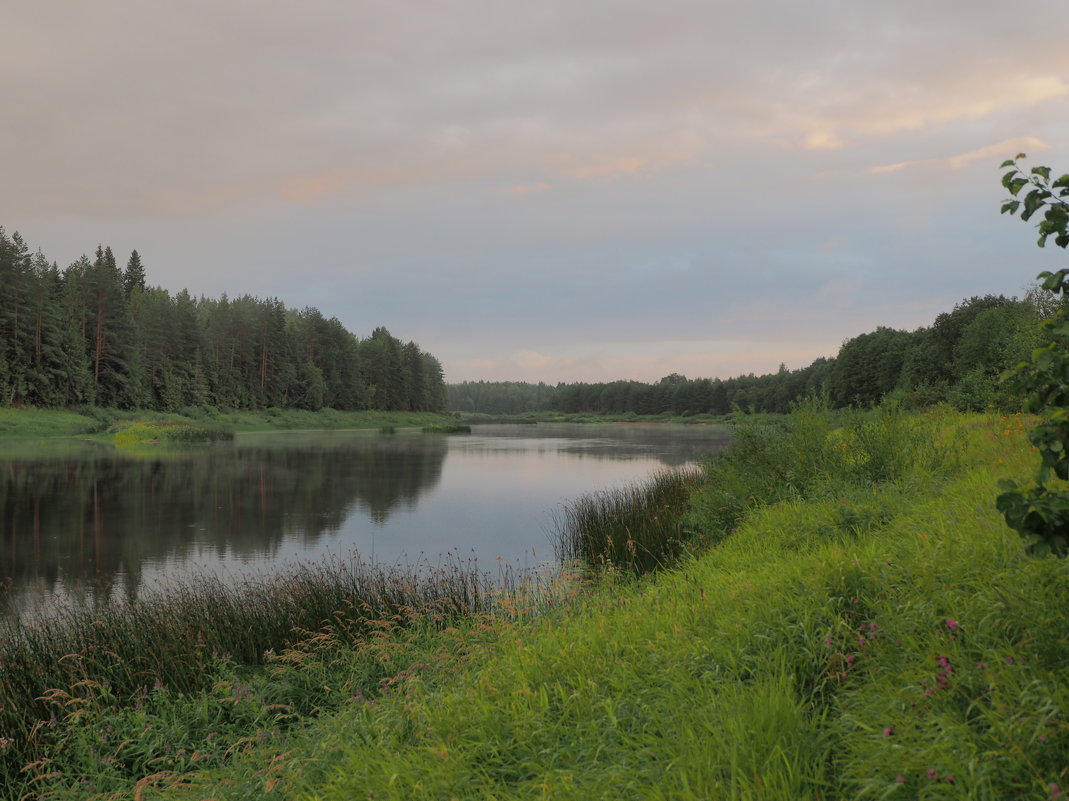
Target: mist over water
point(87, 516)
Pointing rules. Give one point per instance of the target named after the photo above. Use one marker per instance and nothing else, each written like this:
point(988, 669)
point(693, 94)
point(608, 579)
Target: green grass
point(28, 422)
point(866, 628)
point(297, 419)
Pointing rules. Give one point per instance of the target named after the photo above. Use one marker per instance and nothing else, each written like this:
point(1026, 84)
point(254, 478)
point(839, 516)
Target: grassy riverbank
point(31, 423)
point(865, 627)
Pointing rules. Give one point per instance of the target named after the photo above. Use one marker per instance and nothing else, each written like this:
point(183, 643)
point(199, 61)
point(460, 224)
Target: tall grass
point(637, 528)
point(66, 660)
point(818, 453)
point(813, 452)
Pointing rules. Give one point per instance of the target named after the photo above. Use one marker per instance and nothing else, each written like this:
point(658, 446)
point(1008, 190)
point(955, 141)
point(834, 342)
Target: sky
point(560, 190)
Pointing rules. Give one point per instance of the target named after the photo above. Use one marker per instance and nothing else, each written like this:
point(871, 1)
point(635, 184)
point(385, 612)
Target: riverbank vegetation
point(82, 661)
point(96, 335)
point(853, 619)
point(31, 423)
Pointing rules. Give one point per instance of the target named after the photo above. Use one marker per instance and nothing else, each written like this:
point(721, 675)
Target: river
point(84, 515)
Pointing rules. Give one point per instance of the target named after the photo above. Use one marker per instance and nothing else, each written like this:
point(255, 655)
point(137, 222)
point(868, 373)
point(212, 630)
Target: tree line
point(957, 359)
point(96, 334)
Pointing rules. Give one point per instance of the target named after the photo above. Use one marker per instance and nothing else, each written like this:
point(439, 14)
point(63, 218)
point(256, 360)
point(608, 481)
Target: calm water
point(86, 515)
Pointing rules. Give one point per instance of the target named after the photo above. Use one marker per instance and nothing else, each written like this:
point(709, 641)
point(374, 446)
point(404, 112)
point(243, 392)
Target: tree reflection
point(99, 518)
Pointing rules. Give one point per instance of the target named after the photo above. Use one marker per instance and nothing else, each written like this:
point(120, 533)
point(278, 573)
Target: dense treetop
point(96, 334)
point(957, 359)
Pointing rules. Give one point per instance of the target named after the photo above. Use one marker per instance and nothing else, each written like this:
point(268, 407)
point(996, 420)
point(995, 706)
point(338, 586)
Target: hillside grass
point(866, 627)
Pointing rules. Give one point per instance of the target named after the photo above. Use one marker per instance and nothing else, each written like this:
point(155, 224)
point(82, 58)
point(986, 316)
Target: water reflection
point(91, 515)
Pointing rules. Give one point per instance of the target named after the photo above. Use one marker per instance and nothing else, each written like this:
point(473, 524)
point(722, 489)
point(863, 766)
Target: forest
point(94, 334)
point(957, 359)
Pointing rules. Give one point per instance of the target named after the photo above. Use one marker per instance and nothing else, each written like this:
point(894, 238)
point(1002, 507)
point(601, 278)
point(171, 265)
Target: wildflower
point(951, 623)
point(981, 665)
point(888, 731)
point(900, 779)
point(828, 641)
point(932, 774)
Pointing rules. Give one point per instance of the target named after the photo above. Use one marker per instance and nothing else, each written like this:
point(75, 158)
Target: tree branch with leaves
point(1040, 512)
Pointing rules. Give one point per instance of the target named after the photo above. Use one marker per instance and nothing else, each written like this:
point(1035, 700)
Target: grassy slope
point(908, 650)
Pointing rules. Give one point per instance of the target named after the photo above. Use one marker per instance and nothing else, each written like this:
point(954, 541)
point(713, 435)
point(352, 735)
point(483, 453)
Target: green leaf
point(1044, 171)
point(1007, 179)
point(1011, 206)
point(1007, 163)
point(1017, 185)
point(1033, 202)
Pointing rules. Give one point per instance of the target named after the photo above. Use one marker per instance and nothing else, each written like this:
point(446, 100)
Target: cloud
point(608, 169)
point(532, 359)
point(1007, 148)
point(504, 181)
point(897, 107)
point(526, 189)
point(823, 140)
point(644, 361)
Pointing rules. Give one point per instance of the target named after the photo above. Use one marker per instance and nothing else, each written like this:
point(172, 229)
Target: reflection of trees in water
point(99, 518)
point(672, 445)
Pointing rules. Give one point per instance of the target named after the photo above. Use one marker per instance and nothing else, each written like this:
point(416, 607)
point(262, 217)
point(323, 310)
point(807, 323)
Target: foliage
point(1040, 511)
point(93, 334)
point(868, 367)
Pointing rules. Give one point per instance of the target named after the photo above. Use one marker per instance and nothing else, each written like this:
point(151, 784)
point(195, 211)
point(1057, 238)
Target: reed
point(171, 638)
point(136, 433)
point(447, 428)
point(637, 528)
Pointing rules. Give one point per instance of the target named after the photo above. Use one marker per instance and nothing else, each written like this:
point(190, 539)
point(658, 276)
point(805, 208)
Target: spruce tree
point(134, 275)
